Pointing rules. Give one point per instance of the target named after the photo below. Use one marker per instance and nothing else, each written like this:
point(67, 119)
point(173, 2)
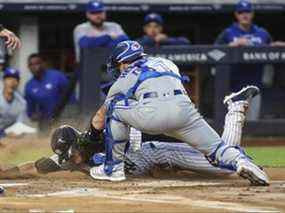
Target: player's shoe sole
point(98, 173)
point(245, 94)
point(253, 173)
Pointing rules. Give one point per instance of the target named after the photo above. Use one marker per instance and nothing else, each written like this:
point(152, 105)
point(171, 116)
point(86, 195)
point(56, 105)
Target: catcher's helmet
point(62, 140)
point(125, 52)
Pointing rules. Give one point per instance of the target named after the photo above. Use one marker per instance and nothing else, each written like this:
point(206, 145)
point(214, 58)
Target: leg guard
point(226, 156)
point(111, 141)
point(234, 158)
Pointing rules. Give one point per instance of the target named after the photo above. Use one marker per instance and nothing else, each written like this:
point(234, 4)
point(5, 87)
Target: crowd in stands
point(44, 91)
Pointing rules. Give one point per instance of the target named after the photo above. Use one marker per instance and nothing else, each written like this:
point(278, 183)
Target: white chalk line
point(13, 184)
point(178, 183)
point(177, 200)
point(85, 192)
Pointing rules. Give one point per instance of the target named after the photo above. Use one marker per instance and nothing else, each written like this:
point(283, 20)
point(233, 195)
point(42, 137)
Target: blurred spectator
point(45, 91)
point(97, 32)
point(3, 53)
point(12, 104)
point(3, 57)
point(154, 35)
point(245, 33)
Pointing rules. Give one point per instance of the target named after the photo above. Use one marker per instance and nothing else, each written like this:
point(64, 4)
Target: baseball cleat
point(248, 170)
point(245, 94)
point(118, 173)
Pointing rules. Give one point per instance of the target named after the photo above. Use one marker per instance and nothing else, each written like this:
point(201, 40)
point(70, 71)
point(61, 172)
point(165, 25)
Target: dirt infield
point(165, 192)
point(176, 192)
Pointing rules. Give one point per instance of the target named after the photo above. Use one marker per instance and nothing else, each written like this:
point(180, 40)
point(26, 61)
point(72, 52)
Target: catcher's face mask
point(113, 68)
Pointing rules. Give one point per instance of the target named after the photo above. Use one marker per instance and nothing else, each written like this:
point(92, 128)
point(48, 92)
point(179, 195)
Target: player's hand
point(11, 40)
point(240, 42)
point(160, 38)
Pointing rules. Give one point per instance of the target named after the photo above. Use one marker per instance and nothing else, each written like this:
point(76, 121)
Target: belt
point(155, 94)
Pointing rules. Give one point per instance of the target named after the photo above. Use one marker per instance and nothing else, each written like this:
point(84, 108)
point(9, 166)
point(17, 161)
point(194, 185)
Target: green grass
point(268, 156)
point(264, 156)
point(23, 155)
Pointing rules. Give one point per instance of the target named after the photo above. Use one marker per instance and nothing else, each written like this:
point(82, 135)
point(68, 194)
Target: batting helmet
point(124, 52)
point(62, 140)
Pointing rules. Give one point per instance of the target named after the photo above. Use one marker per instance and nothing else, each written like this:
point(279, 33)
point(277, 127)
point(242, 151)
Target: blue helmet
point(125, 52)
point(153, 17)
point(244, 6)
point(95, 6)
point(11, 72)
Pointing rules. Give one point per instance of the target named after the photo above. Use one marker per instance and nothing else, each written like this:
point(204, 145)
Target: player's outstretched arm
point(24, 170)
point(11, 40)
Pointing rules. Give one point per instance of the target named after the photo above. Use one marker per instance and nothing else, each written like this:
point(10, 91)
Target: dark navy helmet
point(95, 6)
point(125, 52)
point(11, 72)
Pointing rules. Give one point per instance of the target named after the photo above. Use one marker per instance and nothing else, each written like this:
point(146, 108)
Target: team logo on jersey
point(35, 90)
point(48, 86)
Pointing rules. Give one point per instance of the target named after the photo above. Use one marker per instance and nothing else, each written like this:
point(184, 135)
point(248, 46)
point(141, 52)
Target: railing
point(219, 56)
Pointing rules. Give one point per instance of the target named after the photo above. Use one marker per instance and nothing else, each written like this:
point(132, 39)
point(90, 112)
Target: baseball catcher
point(149, 96)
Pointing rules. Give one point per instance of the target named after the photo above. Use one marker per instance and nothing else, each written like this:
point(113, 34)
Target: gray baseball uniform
point(158, 105)
point(11, 112)
point(181, 155)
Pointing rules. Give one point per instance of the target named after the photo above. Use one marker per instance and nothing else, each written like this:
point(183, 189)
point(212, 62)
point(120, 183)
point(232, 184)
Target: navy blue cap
point(11, 72)
point(153, 17)
point(244, 6)
point(95, 6)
